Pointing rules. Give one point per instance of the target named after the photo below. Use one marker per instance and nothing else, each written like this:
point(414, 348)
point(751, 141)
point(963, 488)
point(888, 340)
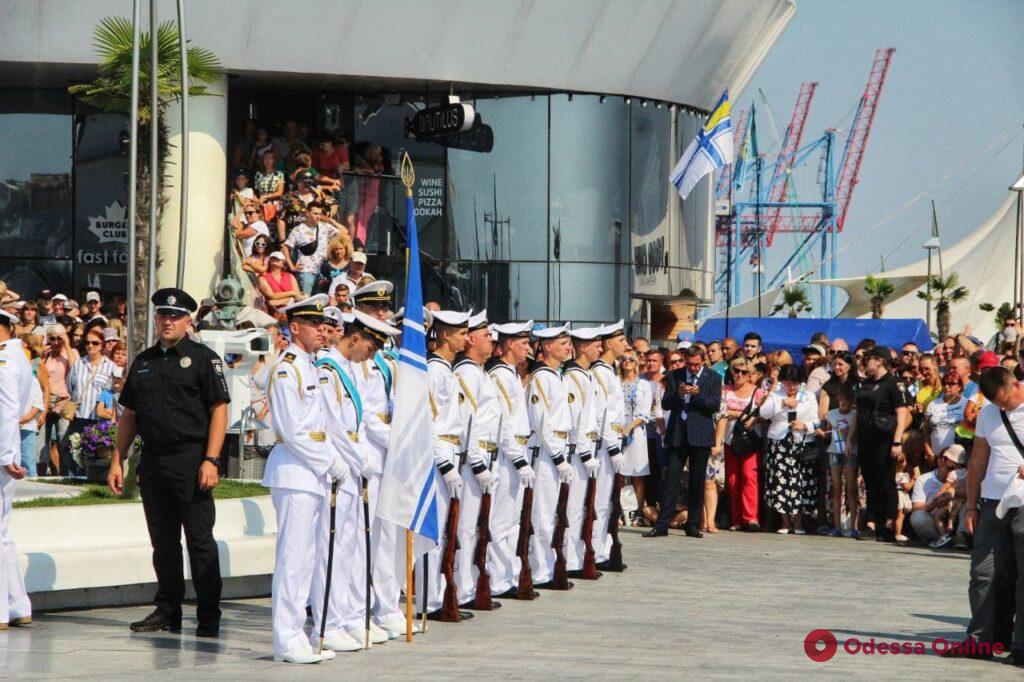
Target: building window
point(35, 189)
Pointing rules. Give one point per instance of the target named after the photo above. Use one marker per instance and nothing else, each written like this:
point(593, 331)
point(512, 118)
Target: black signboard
point(479, 138)
point(435, 122)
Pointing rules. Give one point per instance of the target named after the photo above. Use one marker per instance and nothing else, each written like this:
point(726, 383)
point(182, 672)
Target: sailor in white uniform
point(15, 398)
point(548, 410)
point(376, 381)
point(514, 470)
point(580, 387)
point(341, 365)
point(448, 331)
point(612, 413)
point(479, 404)
point(298, 473)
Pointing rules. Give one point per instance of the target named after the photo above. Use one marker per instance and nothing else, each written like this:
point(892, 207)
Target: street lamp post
point(931, 245)
point(1018, 187)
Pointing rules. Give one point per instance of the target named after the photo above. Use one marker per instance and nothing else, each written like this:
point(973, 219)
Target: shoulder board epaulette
point(288, 357)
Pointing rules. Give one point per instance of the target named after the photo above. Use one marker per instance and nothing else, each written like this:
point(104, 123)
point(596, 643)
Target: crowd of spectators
point(871, 442)
point(300, 210)
point(78, 356)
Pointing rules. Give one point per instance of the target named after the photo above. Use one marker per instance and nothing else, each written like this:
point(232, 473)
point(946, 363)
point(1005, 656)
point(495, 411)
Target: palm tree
point(880, 289)
point(111, 91)
point(1004, 311)
point(945, 291)
point(794, 299)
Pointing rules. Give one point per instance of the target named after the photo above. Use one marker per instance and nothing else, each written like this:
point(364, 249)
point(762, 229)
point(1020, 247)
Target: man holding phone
point(692, 397)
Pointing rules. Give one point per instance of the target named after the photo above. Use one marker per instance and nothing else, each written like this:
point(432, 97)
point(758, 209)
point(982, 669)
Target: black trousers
point(671, 484)
point(879, 470)
point(172, 501)
point(655, 457)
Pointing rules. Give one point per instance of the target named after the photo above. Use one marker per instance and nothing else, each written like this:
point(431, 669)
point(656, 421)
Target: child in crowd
point(241, 193)
point(840, 422)
point(904, 484)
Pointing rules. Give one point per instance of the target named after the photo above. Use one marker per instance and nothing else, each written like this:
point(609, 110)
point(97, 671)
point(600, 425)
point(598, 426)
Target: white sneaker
point(302, 655)
point(378, 635)
point(396, 627)
point(799, 531)
point(342, 641)
point(782, 531)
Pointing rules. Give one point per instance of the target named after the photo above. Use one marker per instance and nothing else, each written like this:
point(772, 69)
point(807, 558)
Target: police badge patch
point(216, 366)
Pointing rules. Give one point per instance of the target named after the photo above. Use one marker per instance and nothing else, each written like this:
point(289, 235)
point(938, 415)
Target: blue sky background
point(955, 88)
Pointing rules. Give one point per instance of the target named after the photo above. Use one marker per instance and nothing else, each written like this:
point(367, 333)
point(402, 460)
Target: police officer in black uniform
point(882, 416)
point(176, 399)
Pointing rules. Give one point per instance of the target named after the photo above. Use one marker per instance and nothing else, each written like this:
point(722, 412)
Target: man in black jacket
point(692, 397)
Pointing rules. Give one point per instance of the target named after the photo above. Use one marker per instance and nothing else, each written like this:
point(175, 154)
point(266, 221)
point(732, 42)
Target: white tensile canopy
point(984, 261)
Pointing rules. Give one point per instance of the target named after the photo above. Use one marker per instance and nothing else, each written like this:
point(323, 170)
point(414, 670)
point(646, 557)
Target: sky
point(948, 126)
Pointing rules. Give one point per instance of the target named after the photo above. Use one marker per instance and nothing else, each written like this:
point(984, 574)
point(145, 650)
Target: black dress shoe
point(753, 527)
point(471, 605)
point(693, 533)
point(157, 621)
point(655, 533)
point(579, 575)
point(550, 585)
point(608, 566)
point(436, 615)
point(510, 593)
point(208, 629)
point(1016, 658)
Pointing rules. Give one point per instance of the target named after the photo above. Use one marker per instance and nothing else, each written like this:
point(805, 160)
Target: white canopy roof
point(983, 259)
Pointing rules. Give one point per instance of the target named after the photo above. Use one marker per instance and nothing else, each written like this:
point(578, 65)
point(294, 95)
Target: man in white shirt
point(998, 543)
point(310, 240)
point(933, 492)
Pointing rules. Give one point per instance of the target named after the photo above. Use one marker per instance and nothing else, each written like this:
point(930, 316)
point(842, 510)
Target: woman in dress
point(791, 487)
point(639, 398)
point(57, 359)
point(278, 286)
point(269, 185)
point(740, 401)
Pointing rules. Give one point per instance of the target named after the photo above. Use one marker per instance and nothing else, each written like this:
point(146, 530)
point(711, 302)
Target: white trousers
point(431, 592)
point(14, 602)
point(574, 546)
point(300, 544)
point(346, 605)
point(469, 513)
point(387, 559)
point(506, 505)
point(603, 504)
point(545, 503)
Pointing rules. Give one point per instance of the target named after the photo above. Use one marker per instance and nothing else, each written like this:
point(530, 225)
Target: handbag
point(744, 441)
point(811, 451)
point(309, 248)
point(70, 408)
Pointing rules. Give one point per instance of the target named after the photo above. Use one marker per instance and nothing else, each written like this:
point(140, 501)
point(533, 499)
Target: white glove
point(617, 461)
point(454, 482)
point(338, 469)
point(485, 478)
point(590, 465)
point(527, 475)
point(565, 473)
point(371, 467)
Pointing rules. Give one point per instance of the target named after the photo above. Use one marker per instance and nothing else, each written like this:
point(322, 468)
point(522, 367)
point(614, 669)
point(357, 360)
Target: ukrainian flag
point(710, 150)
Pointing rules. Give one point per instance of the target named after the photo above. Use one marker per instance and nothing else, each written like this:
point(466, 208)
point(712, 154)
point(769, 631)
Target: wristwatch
point(896, 443)
point(212, 460)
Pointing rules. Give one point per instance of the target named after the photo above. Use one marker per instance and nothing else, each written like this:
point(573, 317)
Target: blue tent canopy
point(792, 334)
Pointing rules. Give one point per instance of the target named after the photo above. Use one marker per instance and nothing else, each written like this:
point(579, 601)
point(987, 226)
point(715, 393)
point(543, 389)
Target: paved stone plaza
point(731, 605)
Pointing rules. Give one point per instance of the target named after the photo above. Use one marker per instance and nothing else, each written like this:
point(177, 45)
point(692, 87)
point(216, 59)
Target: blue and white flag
point(710, 150)
point(408, 495)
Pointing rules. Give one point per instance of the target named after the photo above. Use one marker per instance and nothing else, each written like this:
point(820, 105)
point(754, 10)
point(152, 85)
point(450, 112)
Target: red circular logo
point(820, 645)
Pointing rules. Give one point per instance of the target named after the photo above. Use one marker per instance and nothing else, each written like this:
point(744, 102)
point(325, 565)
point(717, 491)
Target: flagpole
point(409, 179)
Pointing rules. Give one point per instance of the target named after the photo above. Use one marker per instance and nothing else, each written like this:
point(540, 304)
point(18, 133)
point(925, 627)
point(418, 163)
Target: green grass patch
point(98, 494)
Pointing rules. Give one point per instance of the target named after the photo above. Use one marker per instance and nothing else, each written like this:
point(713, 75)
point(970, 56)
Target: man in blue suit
point(692, 397)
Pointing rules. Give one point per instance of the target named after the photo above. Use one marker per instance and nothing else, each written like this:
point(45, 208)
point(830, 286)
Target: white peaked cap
point(451, 317)
point(610, 330)
point(368, 324)
point(479, 320)
point(333, 314)
point(586, 333)
point(552, 332)
point(514, 329)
